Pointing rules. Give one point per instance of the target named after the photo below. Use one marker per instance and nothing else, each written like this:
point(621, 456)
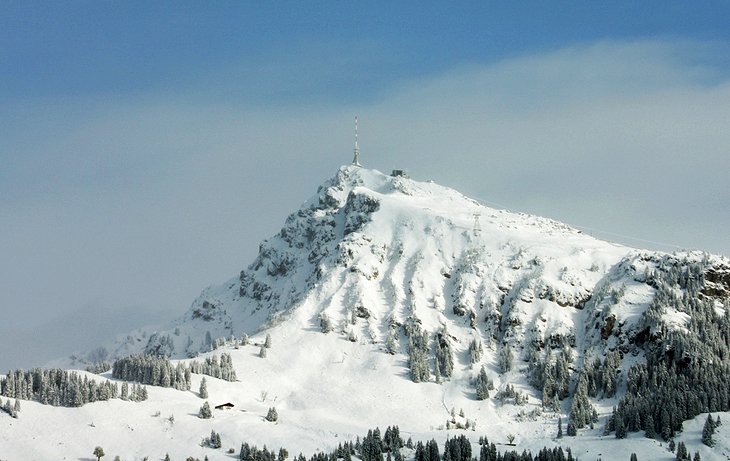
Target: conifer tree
point(98, 452)
point(390, 346)
point(205, 412)
point(483, 384)
point(620, 426)
point(442, 351)
point(505, 359)
point(560, 428)
point(325, 323)
point(650, 431)
point(708, 430)
point(214, 441)
point(681, 453)
point(203, 391)
point(267, 341)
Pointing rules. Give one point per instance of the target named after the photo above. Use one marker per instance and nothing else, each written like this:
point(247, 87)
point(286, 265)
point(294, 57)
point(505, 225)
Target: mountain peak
point(395, 249)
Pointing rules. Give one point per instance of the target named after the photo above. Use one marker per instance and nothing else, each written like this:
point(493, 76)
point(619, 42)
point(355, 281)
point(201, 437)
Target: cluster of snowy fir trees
point(476, 350)
point(418, 352)
point(682, 454)
point(509, 392)
point(213, 441)
point(98, 368)
point(211, 366)
point(152, 370)
point(483, 384)
point(58, 387)
point(687, 372)
point(444, 356)
point(12, 410)
point(159, 371)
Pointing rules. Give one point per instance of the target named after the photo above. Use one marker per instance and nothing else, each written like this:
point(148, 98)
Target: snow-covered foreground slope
point(356, 274)
point(325, 394)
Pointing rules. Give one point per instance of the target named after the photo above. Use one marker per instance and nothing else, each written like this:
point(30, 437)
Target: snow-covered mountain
point(384, 297)
point(371, 252)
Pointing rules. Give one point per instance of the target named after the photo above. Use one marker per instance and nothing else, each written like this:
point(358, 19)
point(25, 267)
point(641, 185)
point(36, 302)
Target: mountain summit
point(386, 249)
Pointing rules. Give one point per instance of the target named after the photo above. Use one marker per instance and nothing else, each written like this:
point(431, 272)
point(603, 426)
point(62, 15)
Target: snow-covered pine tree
point(560, 428)
point(325, 323)
point(682, 453)
point(475, 350)
point(214, 441)
point(483, 384)
point(417, 352)
point(708, 430)
point(505, 359)
point(571, 431)
point(390, 342)
point(650, 432)
point(443, 352)
point(203, 391)
point(205, 412)
point(581, 409)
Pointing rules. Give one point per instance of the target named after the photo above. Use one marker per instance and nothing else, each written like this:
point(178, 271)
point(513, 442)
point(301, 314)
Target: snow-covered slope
point(368, 260)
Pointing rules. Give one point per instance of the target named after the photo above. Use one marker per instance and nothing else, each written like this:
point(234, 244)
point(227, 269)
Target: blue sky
point(147, 147)
point(76, 48)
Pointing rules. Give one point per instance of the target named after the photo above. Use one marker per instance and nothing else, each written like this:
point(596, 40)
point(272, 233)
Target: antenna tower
point(356, 159)
point(477, 225)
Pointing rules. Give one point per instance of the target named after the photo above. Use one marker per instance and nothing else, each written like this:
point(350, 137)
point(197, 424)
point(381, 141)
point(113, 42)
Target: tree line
point(159, 371)
point(62, 388)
